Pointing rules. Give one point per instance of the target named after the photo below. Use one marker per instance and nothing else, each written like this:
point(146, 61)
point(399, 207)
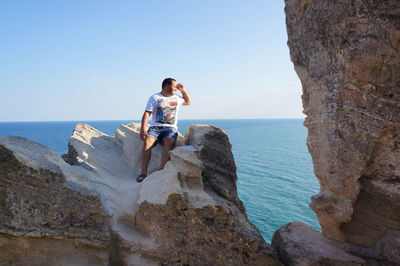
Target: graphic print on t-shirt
point(166, 111)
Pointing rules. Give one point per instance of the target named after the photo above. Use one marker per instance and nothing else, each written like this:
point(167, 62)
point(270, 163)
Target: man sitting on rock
point(163, 108)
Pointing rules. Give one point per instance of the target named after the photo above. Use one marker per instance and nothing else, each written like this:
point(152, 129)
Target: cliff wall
point(347, 56)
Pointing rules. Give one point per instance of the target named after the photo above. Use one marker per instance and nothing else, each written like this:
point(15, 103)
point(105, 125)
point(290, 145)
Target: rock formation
point(347, 56)
point(298, 244)
point(92, 211)
point(50, 211)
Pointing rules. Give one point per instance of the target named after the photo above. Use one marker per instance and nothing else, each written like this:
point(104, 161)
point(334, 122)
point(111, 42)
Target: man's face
point(173, 86)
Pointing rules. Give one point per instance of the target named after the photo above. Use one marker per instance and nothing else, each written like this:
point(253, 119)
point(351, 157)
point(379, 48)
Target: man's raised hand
point(180, 87)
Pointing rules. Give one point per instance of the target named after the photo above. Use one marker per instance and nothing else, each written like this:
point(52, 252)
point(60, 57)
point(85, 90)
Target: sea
point(274, 167)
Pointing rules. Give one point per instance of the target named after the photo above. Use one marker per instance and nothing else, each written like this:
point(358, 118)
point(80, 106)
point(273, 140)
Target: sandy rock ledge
point(91, 210)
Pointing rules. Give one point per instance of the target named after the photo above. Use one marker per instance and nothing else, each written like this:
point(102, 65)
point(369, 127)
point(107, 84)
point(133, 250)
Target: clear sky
point(101, 60)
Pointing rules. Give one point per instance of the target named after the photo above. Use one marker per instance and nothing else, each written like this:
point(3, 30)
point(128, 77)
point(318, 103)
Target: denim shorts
point(159, 133)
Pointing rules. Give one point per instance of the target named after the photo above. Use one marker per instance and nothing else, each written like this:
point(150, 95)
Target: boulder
point(298, 244)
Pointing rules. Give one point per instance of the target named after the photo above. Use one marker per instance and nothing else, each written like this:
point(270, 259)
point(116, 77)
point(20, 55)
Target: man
point(163, 108)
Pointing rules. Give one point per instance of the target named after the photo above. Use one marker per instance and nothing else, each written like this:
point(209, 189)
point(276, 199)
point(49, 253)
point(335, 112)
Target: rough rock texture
point(47, 211)
point(92, 211)
point(347, 56)
point(198, 218)
point(219, 166)
point(298, 244)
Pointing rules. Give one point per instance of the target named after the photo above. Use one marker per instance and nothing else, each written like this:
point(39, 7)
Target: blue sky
point(101, 60)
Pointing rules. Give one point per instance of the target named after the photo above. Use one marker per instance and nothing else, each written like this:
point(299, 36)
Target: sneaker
point(141, 177)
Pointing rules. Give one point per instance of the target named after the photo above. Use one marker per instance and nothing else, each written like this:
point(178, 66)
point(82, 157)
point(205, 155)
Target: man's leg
point(168, 144)
point(146, 153)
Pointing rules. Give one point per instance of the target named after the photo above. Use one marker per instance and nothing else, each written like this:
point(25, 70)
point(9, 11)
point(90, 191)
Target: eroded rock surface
point(197, 217)
point(186, 214)
point(347, 56)
point(298, 244)
point(48, 208)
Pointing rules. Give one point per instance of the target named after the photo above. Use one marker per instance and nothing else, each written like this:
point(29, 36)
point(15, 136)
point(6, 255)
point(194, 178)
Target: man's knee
point(148, 142)
point(168, 141)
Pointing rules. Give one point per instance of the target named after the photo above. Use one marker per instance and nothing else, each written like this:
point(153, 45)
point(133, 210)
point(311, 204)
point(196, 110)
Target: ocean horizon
point(274, 167)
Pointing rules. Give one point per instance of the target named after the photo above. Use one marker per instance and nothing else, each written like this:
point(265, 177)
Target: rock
point(346, 54)
point(172, 217)
point(50, 211)
point(192, 211)
point(219, 165)
point(186, 214)
point(298, 244)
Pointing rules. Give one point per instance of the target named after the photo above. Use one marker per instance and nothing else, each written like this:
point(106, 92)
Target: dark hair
point(167, 81)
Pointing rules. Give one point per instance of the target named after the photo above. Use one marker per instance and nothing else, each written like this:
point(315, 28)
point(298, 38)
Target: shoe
point(141, 177)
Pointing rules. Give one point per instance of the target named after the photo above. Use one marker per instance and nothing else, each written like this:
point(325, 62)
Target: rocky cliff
point(347, 56)
point(91, 210)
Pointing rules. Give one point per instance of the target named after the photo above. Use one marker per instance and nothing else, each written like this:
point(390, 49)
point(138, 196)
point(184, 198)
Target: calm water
point(275, 172)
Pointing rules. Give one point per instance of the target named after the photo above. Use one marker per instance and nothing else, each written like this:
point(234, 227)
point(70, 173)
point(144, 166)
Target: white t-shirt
point(164, 109)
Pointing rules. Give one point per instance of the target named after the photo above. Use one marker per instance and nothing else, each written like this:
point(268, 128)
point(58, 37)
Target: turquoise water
point(275, 173)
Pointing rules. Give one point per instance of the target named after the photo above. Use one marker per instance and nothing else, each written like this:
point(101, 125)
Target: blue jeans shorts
point(159, 133)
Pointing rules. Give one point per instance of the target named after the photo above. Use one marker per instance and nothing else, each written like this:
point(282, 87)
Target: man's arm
point(143, 126)
point(188, 100)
